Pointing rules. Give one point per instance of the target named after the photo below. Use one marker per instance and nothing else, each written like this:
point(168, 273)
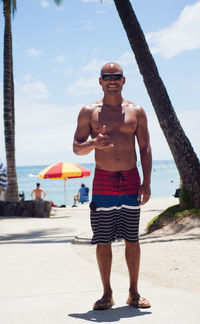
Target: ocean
point(164, 181)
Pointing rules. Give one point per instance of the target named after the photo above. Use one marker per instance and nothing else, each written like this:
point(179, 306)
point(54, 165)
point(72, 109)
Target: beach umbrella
point(64, 170)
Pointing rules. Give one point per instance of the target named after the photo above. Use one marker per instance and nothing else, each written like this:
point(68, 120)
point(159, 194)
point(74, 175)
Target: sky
point(58, 53)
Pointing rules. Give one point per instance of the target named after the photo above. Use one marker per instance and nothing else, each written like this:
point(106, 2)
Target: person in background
point(114, 124)
point(178, 191)
point(38, 192)
point(3, 179)
point(22, 196)
point(82, 195)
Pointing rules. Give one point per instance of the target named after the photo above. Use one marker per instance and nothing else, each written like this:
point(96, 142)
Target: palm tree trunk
point(9, 113)
point(185, 158)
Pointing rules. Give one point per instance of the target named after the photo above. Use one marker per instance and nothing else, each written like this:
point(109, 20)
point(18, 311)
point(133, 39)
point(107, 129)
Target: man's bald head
point(111, 67)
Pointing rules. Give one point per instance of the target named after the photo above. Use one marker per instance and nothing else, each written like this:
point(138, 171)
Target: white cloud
point(27, 77)
point(189, 120)
point(126, 59)
point(60, 58)
point(44, 132)
point(66, 71)
point(85, 86)
point(44, 3)
point(34, 90)
point(93, 66)
point(183, 35)
point(33, 52)
point(159, 144)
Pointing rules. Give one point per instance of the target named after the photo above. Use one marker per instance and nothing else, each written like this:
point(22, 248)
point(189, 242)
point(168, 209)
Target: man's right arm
point(81, 144)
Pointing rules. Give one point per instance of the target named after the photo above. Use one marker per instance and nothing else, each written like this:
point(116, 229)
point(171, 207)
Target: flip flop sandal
point(139, 303)
point(100, 305)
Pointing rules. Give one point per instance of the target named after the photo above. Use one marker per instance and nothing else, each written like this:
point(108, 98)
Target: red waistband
point(114, 173)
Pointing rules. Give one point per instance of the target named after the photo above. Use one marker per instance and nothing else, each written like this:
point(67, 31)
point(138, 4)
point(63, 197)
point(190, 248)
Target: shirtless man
point(38, 192)
point(113, 123)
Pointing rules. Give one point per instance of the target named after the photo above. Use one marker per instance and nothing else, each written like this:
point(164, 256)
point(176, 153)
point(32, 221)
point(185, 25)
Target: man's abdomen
point(115, 159)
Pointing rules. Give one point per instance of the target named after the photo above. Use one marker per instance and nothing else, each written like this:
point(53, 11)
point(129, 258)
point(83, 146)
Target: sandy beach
point(48, 271)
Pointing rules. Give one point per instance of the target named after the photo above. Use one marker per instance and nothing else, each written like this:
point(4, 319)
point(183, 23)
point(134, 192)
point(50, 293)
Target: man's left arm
point(44, 194)
point(142, 135)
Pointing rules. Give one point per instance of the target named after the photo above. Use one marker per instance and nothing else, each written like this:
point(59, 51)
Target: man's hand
point(145, 193)
point(102, 141)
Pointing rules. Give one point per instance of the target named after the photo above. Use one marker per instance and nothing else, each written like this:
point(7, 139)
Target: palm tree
point(11, 193)
point(185, 158)
point(9, 113)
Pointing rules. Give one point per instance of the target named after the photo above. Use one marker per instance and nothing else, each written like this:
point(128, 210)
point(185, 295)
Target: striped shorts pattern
point(115, 211)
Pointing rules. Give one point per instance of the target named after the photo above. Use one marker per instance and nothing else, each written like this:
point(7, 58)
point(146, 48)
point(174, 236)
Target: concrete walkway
point(44, 280)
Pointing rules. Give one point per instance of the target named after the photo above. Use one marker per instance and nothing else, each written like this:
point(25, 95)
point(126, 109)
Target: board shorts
point(115, 210)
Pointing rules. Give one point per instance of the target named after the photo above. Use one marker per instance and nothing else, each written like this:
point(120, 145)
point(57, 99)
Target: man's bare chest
point(123, 121)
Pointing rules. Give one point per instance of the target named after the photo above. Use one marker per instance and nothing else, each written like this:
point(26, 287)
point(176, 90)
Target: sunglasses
point(111, 76)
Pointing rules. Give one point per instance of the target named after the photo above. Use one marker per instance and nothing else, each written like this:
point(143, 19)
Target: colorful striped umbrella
point(64, 170)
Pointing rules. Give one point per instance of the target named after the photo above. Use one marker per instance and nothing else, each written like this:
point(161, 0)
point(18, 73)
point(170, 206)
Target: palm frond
point(58, 2)
point(13, 6)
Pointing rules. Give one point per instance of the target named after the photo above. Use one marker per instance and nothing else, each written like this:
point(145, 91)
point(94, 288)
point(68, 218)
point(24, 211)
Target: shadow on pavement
point(167, 238)
point(37, 237)
point(110, 315)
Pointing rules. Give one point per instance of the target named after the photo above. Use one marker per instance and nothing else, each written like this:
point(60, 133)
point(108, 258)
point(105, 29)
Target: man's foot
point(139, 302)
point(104, 303)
point(74, 206)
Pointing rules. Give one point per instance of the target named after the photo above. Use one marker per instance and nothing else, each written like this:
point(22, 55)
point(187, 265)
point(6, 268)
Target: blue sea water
point(164, 181)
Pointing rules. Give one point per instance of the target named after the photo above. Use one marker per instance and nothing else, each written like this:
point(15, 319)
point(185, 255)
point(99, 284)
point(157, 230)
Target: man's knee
point(102, 247)
point(133, 245)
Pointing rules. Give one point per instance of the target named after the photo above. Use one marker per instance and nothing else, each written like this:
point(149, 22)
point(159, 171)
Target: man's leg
point(104, 259)
point(75, 199)
point(132, 254)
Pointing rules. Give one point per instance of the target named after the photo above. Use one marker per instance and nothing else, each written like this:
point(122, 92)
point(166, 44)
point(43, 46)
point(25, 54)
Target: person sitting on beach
point(38, 192)
point(178, 191)
point(82, 195)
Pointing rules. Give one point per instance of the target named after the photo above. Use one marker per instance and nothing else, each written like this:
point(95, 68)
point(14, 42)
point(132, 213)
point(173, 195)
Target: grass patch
point(189, 213)
point(173, 213)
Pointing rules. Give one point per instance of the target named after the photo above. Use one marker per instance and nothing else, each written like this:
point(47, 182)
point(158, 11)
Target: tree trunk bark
point(9, 113)
point(185, 158)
